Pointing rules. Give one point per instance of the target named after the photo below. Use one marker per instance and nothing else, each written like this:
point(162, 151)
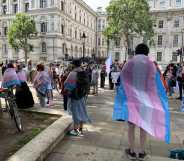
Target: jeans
point(65, 97)
point(41, 100)
point(171, 89)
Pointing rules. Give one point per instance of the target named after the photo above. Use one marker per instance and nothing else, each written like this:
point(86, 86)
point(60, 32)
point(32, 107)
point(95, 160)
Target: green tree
point(21, 30)
point(127, 18)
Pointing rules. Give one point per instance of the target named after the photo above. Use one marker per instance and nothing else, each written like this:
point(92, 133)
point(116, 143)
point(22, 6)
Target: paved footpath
point(106, 140)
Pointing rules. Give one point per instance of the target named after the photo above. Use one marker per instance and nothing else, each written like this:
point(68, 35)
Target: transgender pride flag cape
point(10, 78)
point(141, 98)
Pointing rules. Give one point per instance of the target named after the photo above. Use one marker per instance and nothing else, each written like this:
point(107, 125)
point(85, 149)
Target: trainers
point(142, 156)
point(130, 155)
point(81, 133)
point(73, 133)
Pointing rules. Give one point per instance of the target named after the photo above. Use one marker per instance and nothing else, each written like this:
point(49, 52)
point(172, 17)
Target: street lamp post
point(83, 40)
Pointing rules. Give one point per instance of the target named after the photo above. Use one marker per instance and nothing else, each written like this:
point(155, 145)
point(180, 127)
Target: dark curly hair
point(40, 67)
point(142, 49)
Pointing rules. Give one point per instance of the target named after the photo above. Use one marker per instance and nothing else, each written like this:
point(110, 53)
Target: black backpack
point(82, 86)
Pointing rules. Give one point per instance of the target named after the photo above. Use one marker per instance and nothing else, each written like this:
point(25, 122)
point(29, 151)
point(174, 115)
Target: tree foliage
point(20, 32)
point(129, 17)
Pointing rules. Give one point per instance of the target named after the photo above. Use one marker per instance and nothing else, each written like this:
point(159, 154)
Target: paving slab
point(105, 140)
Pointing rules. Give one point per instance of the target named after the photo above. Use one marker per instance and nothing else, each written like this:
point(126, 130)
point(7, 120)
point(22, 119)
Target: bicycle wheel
point(15, 114)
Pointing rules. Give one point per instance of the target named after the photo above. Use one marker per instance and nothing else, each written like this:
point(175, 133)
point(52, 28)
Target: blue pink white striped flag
point(141, 98)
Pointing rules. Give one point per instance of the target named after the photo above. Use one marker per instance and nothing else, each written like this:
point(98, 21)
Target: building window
point(4, 49)
point(99, 41)
point(4, 9)
point(44, 47)
point(70, 32)
point(5, 31)
point(26, 7)
point(99, 53)
point(117, 42)
point(162, 3)
point(62, 5)
point(99, 25)
point(62, 29)
point(159, 56)
point(178, 3)
point(176, 23)
point(15, 8)
point(117, 55)
point(33, 3)
point(175, 41)
point(75, 34)
point(52, 2)
point(161, 24)
point(43, 3)
point(103, 24)
point(43, 27)
point(174, 57)
point(103, 42)
point(160, 39)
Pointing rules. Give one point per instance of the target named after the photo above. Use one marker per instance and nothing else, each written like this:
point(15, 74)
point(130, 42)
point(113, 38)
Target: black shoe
point(130, 155)
point(142, 156)
point(179, 98)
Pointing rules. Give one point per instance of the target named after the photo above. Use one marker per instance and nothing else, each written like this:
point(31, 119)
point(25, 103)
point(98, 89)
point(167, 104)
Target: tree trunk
point(25, 56)
point(108, 46)
point(25, 50)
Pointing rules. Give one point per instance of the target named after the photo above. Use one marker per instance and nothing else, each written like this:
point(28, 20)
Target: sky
point(97, 3)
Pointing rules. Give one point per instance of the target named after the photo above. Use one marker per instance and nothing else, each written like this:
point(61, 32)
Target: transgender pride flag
point(108, 63)
point(141, 98)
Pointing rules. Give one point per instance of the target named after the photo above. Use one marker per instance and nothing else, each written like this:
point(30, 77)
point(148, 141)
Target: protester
point(169, 75)
point(102, 76)
point(111, 84)
point(77, 86)
point(23, 95)
point(50, 85)
point(4, 67)
point(63, 91)
point(180, 80)
point(162, 77)
point(10, 77)
point(94, 79)
point(41, 83)
point(141, 100)
point(21, 73)
point(29, 70)
point(89, 73)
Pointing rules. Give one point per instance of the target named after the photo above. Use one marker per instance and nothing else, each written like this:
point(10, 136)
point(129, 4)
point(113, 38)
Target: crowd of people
point(140, 86)
point(174, 77)
point(73, 81)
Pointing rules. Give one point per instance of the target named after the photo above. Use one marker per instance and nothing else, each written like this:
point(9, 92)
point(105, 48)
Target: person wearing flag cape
point(141, 100)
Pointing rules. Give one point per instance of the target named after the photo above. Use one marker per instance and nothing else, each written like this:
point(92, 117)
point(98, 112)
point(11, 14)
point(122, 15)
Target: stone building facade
point(169, 29)
point(101, 39)
point(169, 33)
point(115, 48)
point(60, 24)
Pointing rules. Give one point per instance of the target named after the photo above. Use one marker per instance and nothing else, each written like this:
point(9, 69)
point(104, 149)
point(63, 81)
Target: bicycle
point(11, 107)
